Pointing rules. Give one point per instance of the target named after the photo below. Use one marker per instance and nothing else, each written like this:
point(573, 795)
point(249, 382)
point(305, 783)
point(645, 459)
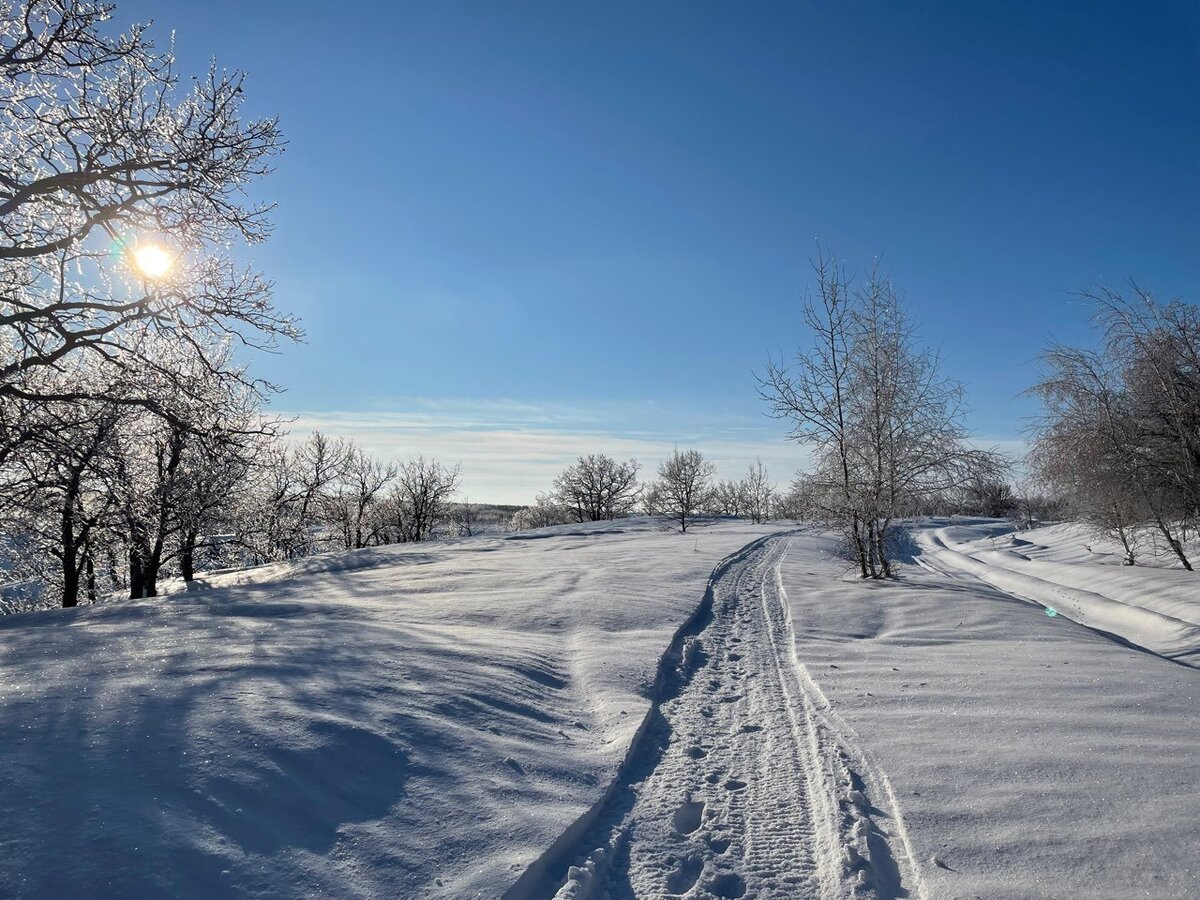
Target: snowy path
point(743, 783)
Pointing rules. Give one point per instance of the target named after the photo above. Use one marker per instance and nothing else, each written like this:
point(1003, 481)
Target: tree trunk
point(1173, 541)
point(137, 576)
point(90, 568)
point(872, 549)
point(1124, 537)
point(151, 583)
point(70, 547)
point(187, 556)
point(881, 550)
point(859, 550)
point(70, 586)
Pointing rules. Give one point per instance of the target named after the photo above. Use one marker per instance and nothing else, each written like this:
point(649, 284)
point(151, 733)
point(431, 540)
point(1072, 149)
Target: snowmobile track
point(743, 782)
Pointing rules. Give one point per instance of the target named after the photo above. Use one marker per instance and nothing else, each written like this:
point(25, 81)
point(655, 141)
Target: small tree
point(726, 499)
point(886, 428)
point(598, 487)
point(420, 499)
point(758, 493)
point(359, 490)
point(544, 512)
point(684, 486)
point(991, 497)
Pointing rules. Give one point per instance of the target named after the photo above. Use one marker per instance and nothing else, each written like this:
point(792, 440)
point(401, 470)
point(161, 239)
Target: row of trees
point(1119, 439)
point(117, 498)
point(131, 432)
point(597, 487)
point(1117, 445)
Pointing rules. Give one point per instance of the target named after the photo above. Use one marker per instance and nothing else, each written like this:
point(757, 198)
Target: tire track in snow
point(739, 784)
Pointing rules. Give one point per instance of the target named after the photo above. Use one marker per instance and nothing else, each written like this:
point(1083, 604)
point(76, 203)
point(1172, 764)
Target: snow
point(615, 711)
point(404, 721)
point(1030, 756)
point(740, 787)
point(1153, 607)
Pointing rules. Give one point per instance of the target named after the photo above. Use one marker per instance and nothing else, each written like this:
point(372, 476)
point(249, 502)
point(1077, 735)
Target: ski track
point(744, 783)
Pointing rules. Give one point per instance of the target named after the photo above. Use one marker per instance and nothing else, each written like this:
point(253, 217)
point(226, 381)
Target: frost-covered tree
point(598, 487)
point(684, 487)
point(758, 493)
point(135, 487)
point(885, 427)
point(356, 496)
point(1119, 437)
point(544, 512)
point(726, 498)
point(56, 499)
point(122, 193)
point(104, 153)
point(420, 500)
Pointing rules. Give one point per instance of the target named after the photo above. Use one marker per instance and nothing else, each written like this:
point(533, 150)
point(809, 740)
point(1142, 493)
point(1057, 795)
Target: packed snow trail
point(741, 783)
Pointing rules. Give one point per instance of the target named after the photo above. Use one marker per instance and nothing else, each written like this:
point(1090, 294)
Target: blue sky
point(519, 231)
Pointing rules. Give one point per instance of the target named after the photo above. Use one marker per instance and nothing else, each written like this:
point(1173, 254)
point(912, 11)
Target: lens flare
point(151, 260)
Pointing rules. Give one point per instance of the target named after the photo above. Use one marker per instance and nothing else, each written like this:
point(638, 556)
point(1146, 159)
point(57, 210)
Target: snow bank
point(1155, 608)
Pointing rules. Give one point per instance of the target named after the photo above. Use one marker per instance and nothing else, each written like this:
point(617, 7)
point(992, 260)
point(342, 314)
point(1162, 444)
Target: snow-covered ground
point(1061, 568)
point(395, 722)
point(607, 711)
point(1031, 757)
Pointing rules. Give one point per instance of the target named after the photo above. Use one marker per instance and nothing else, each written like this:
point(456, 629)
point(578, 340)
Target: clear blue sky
point(515, 230)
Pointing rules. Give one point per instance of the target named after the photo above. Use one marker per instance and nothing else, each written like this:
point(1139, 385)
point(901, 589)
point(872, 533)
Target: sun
point(151, 260)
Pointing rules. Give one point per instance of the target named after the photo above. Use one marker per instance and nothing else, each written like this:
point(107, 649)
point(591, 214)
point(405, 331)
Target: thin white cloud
point(511, 450)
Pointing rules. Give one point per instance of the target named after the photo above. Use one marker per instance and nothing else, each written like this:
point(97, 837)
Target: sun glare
point(151, 260)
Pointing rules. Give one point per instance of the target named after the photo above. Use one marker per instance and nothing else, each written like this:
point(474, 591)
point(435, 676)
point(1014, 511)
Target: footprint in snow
point(718, 845)
point(685, 875)
point(728, 885)
point(687, 817)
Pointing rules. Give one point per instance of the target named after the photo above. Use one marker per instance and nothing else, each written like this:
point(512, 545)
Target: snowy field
point(406, 721)
point(607, 711)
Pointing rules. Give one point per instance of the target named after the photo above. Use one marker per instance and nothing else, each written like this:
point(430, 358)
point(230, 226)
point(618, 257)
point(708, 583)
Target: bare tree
point(758, 493)
point(101, 147)
point(726, 498)
point(362, 482)
point(814, 395)
point(420, 499)
point(991, 497)
point(121, 192)
point(1120, 432)
point(464, 517)
point(55, 499)
point(544, 512)
point(885, 426)
point(598, 487)
point(684, 485)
